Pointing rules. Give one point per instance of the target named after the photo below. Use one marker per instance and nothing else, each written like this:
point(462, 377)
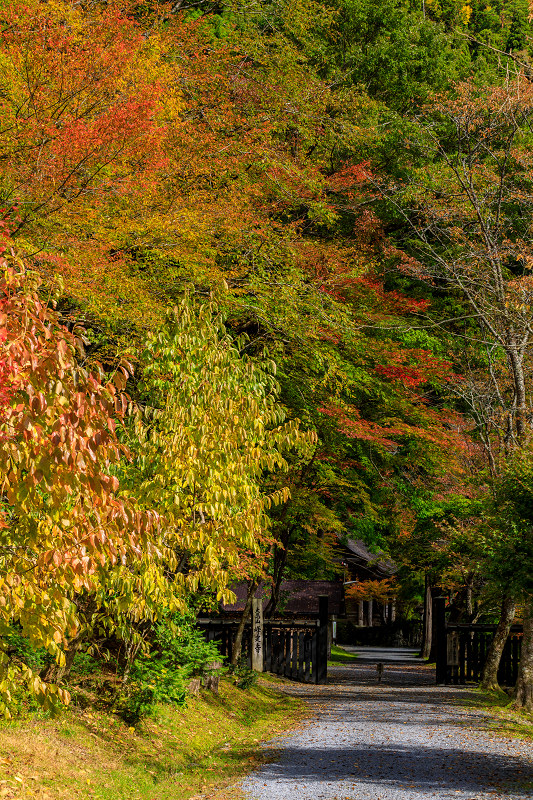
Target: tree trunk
point(517, 368)
point(280, 553)
point(237, 645)
point(524, 685)
point(489, 679)
point(54, 673)
point(435, 591)
point(132, 651)
point(280, 560)
point(427, 632)
point(468, 599)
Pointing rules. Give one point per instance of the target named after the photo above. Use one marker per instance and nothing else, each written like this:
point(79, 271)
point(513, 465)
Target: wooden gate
point(462, 650)
point(295, 649)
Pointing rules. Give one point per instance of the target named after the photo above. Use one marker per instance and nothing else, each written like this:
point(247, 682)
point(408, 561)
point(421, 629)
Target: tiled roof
point(296, 597)
point(375, 562)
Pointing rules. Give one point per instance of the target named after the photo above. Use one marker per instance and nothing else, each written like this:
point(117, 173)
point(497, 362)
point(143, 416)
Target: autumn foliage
point(64, 523)
point(257, 294)
point(79, 546)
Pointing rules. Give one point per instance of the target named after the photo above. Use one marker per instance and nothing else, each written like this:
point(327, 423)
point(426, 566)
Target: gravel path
point(402, 739)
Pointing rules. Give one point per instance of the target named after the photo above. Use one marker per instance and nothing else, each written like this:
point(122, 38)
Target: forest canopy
point(266, 286)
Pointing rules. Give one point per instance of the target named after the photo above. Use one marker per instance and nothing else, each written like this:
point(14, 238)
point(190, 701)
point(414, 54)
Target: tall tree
point(63, 521)
point(210, 427)
point(467, 209)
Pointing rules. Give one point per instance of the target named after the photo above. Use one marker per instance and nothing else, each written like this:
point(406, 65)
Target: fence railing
point(295, 649)
point(298, 651)
point(466, 652)
point(462, 650)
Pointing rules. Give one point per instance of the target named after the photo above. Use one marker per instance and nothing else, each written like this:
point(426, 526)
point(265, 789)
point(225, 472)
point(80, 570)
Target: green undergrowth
point(340, 656)
point(501, 716)
point(178, 753)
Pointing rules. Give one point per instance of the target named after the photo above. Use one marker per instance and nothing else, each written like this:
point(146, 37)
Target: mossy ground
point(340, 656)
point(177, 755)
point(501, 716)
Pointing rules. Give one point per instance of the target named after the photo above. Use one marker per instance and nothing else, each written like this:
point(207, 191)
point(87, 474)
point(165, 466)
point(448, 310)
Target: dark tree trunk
point(280, 560)
point(434, 644)
point(468, 599)
point(133, 647)
point(279, 567)
point(54, 673)
point(489, 679)
point(427, 631)
point(237, 645)
point(280, 553)
point(524, 685)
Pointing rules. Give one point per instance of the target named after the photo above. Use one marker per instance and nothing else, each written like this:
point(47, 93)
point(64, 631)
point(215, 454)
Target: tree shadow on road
point(423, 769)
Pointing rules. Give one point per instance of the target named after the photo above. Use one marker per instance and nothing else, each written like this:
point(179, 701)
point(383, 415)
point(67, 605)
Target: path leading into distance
point(401, 739)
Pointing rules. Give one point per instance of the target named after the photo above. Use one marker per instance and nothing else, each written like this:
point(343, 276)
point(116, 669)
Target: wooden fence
point(296, 649)
point(462, 650)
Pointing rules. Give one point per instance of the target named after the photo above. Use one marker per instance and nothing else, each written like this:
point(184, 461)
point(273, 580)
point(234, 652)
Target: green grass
point(179, 754)
point(502, 718)
point(340, 656)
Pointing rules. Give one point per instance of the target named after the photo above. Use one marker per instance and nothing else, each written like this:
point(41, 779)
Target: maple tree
point(375, 421)
point(64, 523)
point(383, 591)
point(466, 207)
point(478, 243)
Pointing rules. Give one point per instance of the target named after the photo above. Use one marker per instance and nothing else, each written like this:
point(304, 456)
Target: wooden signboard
point(257, 635)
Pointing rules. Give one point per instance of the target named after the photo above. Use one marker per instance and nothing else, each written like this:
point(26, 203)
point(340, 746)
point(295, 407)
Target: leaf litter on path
point(404, 740)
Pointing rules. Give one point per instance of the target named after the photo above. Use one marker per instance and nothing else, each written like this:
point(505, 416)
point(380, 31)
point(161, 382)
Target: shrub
point(151, 683)
point(243, 676)
point(162, 676)
point(180, 643)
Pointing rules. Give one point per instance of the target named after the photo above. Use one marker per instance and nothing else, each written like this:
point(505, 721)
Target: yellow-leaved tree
point(99, 535)
point(64, 524)
point(209, 429)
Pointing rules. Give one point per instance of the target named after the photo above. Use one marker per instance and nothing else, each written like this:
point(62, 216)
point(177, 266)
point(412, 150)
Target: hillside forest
point(267, 285)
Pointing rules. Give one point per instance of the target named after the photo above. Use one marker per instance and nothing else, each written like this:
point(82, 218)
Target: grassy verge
point(340, 656)
point(179, 754)
point(502, 718)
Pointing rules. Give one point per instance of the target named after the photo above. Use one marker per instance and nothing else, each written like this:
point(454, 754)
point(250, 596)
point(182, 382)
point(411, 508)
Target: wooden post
point(267, 655)
point(314, 656)
point(361, 614)
point(257, 635)
point(282, 652)
point(275, 658)
point(301, 656)
point(370, 613)
point(294, 646)
point(310, 637)
point(288, 651)
point(441, 654)
point(322, 637)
